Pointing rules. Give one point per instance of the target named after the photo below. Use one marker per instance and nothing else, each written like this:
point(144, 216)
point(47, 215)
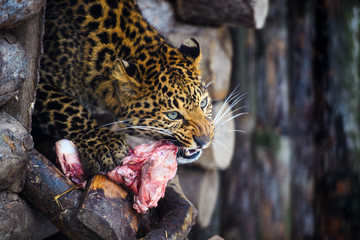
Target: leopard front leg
point(62, 116)
point(100, 150)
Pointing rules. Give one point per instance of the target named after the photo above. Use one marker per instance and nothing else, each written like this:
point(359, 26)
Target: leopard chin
point(184, 155)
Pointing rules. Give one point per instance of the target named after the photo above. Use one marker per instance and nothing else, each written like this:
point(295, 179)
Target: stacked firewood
point(21, 30)
point(24, 173)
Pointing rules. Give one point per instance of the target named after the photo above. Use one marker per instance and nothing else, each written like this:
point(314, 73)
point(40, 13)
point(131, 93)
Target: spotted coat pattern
point(101, 55)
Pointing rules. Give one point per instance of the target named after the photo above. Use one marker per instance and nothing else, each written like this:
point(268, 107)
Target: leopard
point(103, 56)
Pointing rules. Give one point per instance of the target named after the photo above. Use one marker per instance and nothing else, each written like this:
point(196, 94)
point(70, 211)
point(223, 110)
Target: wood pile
point(21, 30)
point(25, 174)
point(104, 209)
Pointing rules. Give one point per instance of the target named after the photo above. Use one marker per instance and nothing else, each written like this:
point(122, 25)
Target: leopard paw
point(102, 154)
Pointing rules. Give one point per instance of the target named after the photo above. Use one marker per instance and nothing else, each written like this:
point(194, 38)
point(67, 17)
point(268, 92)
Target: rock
point(13, 12)
point(30, 35)
point(13, 67)
point(15, 142)
point(18, 220)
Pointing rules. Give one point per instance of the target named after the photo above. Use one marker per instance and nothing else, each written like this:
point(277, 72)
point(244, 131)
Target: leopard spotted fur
point(101, 55)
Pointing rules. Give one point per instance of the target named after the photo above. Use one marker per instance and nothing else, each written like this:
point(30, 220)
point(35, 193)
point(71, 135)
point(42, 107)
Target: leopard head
point(165, 98)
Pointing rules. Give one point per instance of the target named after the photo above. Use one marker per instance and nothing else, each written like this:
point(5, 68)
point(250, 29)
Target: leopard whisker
point(152, 129)
point(231, 118)
point(145, 126)
point(126, 130)
point(222, 145)
point(129, 119)
point(112, 123)
point(231, 130)
point(222, 113)
point(219, 115)
point(229, 114)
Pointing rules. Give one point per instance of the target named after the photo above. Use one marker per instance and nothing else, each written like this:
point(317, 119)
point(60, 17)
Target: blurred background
point(295, 172)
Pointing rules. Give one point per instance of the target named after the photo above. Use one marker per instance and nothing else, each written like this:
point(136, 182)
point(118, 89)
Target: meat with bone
point(67, 157)
point(145, 171)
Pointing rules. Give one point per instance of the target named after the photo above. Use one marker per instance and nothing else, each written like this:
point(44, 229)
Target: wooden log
point(13, 12)
point(43, 183)
point(246, 13)
point(19, 220)
point(201, 187)
point(12, 68)
point(219, 154)
point(15, 144)
point(107, 210)
point(104, 212)
point(216, 51)
point(176, 213)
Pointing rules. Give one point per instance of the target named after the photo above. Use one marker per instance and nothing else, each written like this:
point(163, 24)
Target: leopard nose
point(202, 140)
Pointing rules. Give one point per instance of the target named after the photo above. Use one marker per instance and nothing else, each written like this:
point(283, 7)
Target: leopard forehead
point(168, 79)
point(176, 86)
point(173, 82)
point(169, 93)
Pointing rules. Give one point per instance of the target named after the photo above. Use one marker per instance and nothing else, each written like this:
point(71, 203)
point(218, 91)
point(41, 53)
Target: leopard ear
point(191, 49)
point(126, 72)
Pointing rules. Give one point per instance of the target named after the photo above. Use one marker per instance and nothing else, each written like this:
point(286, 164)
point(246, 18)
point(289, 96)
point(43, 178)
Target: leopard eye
point(173, 115)
point(203, 103)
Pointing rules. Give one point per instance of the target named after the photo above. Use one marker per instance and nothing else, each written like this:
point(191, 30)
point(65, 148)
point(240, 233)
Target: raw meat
point(145, 171)
point(67, 156)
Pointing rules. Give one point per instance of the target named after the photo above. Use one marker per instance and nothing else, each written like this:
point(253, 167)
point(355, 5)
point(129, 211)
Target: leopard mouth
point(188, 155)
